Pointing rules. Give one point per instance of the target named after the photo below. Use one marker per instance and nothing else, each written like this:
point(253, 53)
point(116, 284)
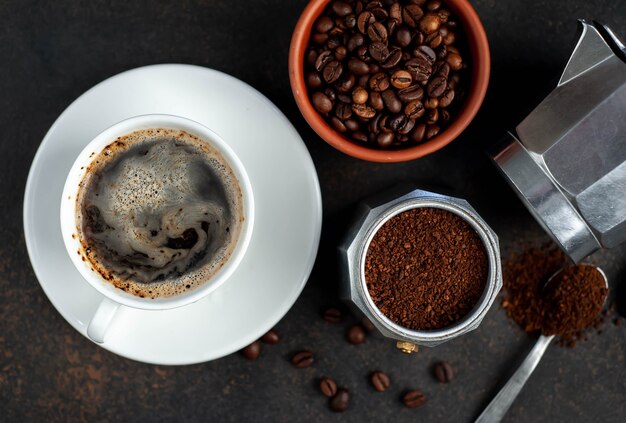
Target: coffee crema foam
point(159, 212)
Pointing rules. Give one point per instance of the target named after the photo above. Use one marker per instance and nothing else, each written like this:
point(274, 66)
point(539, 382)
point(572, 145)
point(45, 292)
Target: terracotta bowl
point(476, 38)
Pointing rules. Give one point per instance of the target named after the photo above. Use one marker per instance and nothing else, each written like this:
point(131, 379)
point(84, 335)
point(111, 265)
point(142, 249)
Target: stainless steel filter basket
point(372, 214)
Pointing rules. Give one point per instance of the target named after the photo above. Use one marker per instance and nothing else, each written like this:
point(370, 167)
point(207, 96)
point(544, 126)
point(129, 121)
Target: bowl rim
point(481, 61)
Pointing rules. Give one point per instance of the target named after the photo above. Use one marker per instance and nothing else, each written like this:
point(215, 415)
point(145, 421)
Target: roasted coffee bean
point(367, 324)
point(355, 41)
point(363, 111)
point(426, 53)
point(393, 59)
point(328, 387)
point(313, 80)
point(414, 109)
point(403, 37)
point(418, 133)
point(341, 8)
point(380, 13)
point(361, 54)
point(432, 116)
point(442, 52)
point(302, 359)
point(429, 23)
point(350, 21)
point(322, 103)
point(351, 124)
point(380, 381)
point(414, 399)
point(384, 123)
point(310, 58)
point(344, 98)
point(359, 136)
point(455, 61)
point(338, 125)
point(331, 94)
point(377, 32)
point(436, 86)
point(432, 131)
point(391, 100)
point(340, 402)
point(414, 92)
point(395, 12)
point(392, 24)
point(359, 95)
point(401, 79)
point(343, 111)
point(434, 40)
point(358, 67)
point(271, 337)
point(446, 98)
point(444, 372)
point(356, 334)
point(252, 351)
point(324, 24)
point(378, 51)
point(411, 14)
point(346, 84)
point(444, 116)
point(442, 69)
point(433, 5)
point(323, 59)
point(444, 15)
point(332, 315)
point(376, 101)
point(395, 122)
point(374, 125)
point(379, 82)
point(340, 53)
point(364, 20)
point(333, 43)
point(406, 127)
point(431, 103)
point(363, 80)
point(374, 68)
point(332, 71)
point(449, 39)
point(384, 140)
point(419, 68)
point(373, 4)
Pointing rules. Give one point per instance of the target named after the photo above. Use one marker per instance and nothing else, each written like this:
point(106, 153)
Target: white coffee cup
point(115, 297)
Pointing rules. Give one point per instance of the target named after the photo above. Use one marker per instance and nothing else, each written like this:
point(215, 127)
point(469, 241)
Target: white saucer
point(287, 222)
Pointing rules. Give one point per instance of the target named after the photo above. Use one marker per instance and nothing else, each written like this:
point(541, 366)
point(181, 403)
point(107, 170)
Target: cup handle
point(101, 320)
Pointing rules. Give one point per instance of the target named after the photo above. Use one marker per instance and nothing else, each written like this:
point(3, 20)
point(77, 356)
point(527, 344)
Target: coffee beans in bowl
point(389, 75)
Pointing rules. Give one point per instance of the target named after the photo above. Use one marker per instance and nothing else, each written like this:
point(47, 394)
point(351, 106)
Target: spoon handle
point(501, 403)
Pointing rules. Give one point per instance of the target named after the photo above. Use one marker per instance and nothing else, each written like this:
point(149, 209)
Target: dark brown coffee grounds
point(573, 301)
point(567, 307)
point(426, 268)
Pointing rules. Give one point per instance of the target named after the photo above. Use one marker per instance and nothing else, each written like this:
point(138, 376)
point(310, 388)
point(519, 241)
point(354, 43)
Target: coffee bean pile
point(338, 397)
point(385, 73)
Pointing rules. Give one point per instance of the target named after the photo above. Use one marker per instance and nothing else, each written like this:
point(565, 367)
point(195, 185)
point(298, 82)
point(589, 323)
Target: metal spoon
point(501, 403)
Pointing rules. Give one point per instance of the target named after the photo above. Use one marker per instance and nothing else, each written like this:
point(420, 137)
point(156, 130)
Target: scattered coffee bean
point(332, 315)
point(302, 359)
point(340, 402)
point(328, 387)
point(444, 372)
point(356, 334)
point(369, 62)
point(413, 399)
point(380, 381)
point(252, 351)
point(271, 337)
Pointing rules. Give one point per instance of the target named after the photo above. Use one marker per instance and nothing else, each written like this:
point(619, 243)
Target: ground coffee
point(426, 268)
point(570, 304)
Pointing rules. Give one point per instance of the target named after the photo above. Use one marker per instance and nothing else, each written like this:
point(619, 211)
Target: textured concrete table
point(53, 51)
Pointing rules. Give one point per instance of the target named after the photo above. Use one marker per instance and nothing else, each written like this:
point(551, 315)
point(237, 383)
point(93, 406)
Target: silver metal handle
point(501, 403)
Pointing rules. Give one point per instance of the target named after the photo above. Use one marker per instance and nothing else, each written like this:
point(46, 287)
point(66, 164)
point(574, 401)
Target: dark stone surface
point(53, 51)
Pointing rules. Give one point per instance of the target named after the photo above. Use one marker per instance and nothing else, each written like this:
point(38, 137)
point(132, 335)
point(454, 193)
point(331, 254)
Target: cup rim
point(478, 311)
point(479, 51)
point(68, 210)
